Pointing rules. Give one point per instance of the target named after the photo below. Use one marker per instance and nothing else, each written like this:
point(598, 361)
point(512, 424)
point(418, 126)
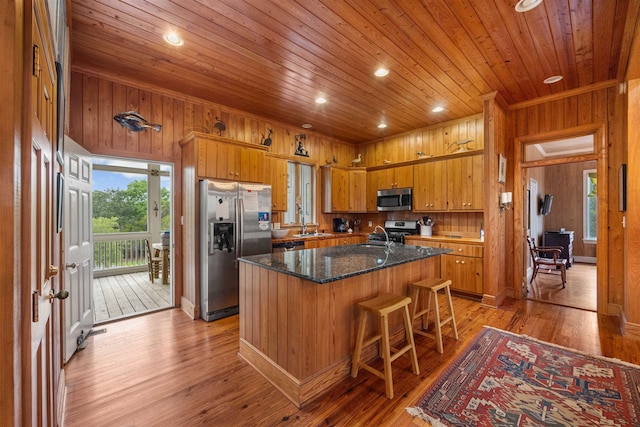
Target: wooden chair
point(540, 257)
point(153, 262)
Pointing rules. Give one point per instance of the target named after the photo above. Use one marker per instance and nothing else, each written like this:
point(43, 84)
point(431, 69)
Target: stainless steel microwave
point(394, 199)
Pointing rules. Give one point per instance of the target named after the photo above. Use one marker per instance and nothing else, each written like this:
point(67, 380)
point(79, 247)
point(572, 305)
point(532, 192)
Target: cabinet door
point(339, 188)
point(403, 176)
point(372, 190)
point(252, 165)
point(465, 183)
point(465, 273)
point(357, 191)
point(277, 175)
point(430, 187)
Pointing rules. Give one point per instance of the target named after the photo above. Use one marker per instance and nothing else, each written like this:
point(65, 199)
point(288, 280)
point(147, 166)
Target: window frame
point(588, 236)
point(295, 193)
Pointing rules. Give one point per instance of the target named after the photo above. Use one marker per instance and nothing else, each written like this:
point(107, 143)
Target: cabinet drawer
point(462, 249)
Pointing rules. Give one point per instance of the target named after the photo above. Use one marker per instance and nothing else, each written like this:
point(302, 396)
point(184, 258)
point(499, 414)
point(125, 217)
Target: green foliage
point(128, 207)
point(105, 225)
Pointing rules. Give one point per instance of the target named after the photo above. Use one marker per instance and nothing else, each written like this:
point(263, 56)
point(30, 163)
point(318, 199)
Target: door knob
point(62, 294)
point(71, 266)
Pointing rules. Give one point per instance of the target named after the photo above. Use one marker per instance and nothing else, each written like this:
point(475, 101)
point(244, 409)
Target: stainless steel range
point(396, 231)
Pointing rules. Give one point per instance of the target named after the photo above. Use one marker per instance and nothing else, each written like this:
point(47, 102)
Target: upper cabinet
point(276, 174)
point(465, 178)
point(382, 179)
point(344, 189)
point(219, 158)
point(430, 186)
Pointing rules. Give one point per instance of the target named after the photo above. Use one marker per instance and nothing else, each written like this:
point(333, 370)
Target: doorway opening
point(560, 211)
point(131, 219)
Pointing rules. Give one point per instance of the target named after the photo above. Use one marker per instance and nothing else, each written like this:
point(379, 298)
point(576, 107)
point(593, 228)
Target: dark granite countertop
point(323, 265)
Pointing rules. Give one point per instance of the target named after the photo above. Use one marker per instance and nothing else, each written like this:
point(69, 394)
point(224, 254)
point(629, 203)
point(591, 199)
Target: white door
point(78, 247)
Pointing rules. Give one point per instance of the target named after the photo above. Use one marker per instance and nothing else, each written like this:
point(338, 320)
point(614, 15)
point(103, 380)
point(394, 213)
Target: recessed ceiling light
point(173, 39)
point(552, 79)
point(382, 125)
point(438, 109)
point(320, 100)
point(381, 72)
point(307, 125)
point(527, 5)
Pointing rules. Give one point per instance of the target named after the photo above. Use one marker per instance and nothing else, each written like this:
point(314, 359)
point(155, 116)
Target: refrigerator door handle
point(239, 231)
point(211, 237)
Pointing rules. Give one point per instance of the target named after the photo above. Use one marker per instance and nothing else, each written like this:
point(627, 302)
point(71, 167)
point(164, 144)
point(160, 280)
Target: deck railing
point(119, 253)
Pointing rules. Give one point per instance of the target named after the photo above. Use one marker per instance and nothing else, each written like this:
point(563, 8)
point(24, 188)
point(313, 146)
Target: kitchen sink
point(313, 235)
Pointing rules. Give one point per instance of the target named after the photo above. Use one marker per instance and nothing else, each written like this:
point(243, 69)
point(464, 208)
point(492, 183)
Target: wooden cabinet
point(277, 174)
point(465, 183)
point(344, 189)
point(463, 267)
point(430, 186)
point(357, 191)
point(349, 239)
point(395, 177)
point(381, 179)
point(219, 158)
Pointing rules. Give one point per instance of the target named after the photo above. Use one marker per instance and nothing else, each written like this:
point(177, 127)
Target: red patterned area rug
point(505, 379)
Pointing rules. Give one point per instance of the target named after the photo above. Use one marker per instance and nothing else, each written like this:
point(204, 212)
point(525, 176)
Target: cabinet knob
point(457, 261)
point(459, 249)
point(461, 262)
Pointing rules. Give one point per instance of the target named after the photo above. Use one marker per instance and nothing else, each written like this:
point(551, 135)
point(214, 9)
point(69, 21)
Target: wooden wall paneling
point(132, 138)
point(105, 94)
point(272, 322)
point(144, 108)
point(118, 143)
point(167, 122)
point(632, 270)
point(310, 327)
point(90, 107)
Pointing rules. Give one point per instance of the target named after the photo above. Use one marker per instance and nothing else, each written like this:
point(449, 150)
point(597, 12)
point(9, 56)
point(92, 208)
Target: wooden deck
point(117, 297)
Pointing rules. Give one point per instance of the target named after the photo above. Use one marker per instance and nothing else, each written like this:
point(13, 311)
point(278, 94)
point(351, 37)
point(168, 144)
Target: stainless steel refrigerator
point(235, 221)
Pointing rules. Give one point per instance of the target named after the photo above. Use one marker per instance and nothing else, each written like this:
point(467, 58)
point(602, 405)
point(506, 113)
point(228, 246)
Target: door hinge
point(35, 306)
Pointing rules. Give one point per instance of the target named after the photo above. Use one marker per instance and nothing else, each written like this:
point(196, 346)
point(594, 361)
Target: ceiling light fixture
point(320, 100)
point(527, 5)
point(381, 72)
point(173, 39)
point(438, 109)
point(382, 125)
point(306, 125)
point(552, 79)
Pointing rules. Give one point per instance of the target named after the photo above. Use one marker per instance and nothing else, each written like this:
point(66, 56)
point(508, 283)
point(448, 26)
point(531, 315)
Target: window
point(590, 220)
point(300, 194)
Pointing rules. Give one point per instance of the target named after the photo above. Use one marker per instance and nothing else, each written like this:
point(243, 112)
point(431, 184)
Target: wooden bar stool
point(433, 285)
point(381, 306)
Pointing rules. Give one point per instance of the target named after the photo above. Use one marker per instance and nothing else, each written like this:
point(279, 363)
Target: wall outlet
point(370, 224)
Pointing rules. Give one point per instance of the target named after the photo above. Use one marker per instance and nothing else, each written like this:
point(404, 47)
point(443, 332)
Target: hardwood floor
point(164, 369)
point(580, 290)
point(124, 295)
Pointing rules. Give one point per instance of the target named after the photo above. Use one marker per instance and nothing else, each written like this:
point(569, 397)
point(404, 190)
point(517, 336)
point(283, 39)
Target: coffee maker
point(340, 225)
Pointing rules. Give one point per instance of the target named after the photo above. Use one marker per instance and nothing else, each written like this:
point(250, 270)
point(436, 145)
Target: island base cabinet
point(300, 335)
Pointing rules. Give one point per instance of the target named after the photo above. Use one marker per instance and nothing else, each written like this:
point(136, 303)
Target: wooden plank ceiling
point(273, 58)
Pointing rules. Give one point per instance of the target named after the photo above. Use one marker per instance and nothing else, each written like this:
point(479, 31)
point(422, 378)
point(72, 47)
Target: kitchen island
point(298, 310)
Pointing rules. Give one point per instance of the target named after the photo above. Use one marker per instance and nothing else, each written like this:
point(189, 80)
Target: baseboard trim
point(189, 308)
point(585, 259)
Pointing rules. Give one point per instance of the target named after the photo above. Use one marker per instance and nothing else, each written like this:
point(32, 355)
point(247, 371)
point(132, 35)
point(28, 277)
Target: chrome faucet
point(387, 243)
